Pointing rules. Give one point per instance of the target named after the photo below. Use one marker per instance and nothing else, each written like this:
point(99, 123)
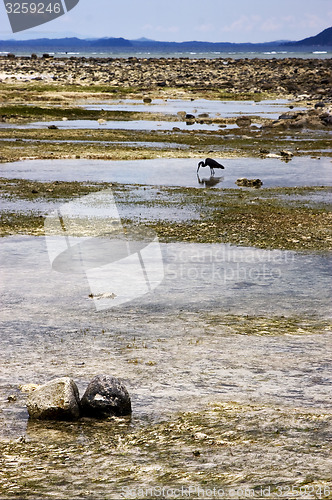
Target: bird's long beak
point(198, 168)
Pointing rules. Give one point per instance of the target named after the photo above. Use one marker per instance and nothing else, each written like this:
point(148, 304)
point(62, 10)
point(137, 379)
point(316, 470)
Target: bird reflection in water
point(209, 181)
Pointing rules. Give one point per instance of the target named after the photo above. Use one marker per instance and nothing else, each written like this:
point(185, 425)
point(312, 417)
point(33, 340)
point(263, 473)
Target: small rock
point(326, 118)
point(55, 400)
point(147, 100)
point(11, 398)
point(200, 435)
point(273, 155)
point(299, 123)
point(288, 116)
point(243, 121)
point(52, 127)
point(106, 396)
point(286, 153)
point(243, 181)
point(28, 387)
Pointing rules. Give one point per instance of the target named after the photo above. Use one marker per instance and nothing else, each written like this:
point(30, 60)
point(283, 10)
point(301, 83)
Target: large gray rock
point(56, 400)
point(106, 396)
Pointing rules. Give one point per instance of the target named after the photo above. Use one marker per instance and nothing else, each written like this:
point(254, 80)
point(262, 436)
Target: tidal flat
point(275, 218)
point(227, 361)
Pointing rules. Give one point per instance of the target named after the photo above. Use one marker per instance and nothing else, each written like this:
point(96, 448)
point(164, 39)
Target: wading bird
point(209, 162)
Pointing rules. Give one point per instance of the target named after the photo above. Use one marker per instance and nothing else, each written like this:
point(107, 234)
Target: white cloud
point(244, 23)
point(206, 28)
point(270, 25)
point(312, 21)
point(247, 27)
point(160, 29)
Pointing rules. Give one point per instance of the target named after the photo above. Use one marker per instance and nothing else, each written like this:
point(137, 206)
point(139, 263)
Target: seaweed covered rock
point(310, 119)
point(243, 121)
point(106, 396)
point(55, 400)
point(243, 181)
point(326, 119)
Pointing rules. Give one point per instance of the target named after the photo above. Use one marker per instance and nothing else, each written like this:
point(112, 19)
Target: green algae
point(21, 112)
point(74, 91)
point(267, 326)
point(227, 446)
point(269, 218)
point(118, 144)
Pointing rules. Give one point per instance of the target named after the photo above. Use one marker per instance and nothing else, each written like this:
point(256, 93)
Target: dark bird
point(209, 162)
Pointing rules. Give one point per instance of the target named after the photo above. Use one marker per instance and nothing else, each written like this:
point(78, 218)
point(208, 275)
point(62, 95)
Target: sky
point(182, 20)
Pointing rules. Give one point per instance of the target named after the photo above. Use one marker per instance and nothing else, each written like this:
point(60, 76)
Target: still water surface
point(226, 109)
point(300, 171)
point(171, 346)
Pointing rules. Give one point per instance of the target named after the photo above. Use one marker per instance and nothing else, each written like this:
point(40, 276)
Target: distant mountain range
point(322, 40)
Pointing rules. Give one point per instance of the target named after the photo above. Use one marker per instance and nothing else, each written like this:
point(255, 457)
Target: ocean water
point(309, 53)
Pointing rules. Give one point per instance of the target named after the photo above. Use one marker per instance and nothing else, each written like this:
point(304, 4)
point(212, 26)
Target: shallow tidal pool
point(224, 323)
point(300, 171)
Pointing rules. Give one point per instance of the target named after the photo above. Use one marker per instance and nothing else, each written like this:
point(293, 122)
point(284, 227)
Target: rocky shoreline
point(283, 77)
